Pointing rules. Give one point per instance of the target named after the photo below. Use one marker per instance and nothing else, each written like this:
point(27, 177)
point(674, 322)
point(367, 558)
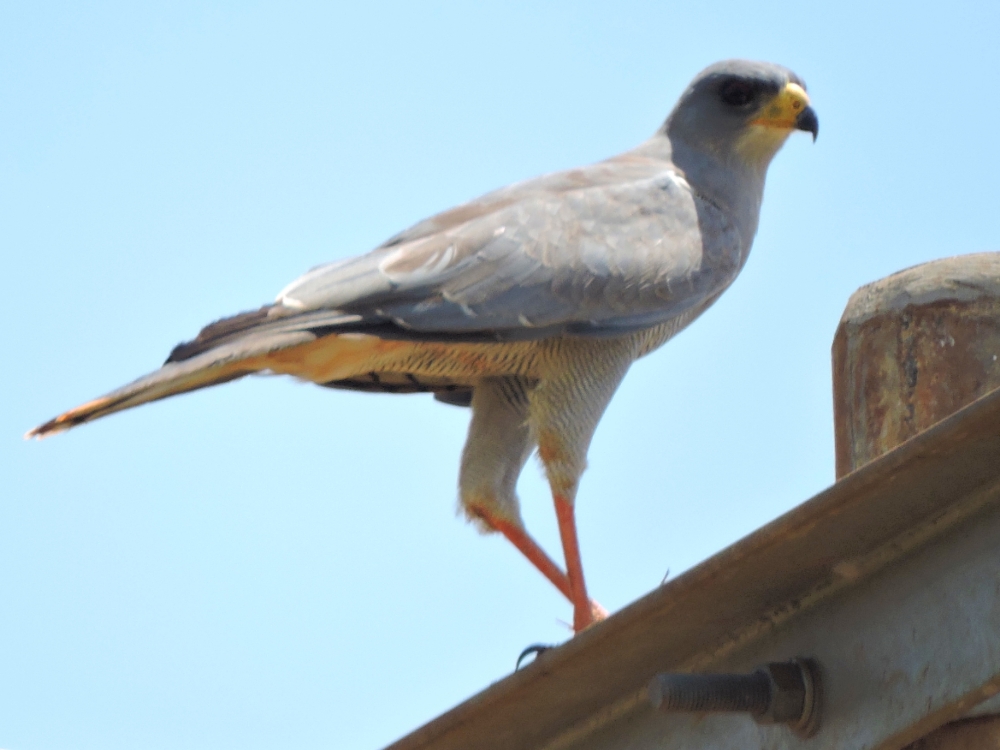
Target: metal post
point(912, 349)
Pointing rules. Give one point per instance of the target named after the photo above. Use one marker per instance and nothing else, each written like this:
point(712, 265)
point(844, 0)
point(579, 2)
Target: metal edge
point(948, 435)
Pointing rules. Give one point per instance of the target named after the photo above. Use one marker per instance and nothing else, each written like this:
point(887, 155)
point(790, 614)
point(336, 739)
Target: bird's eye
point(737, 93)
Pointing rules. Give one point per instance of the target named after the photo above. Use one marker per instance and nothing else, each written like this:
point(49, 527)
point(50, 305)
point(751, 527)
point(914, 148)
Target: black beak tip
point(808, 122)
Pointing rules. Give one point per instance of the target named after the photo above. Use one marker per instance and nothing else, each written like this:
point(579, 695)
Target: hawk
point(528, 304)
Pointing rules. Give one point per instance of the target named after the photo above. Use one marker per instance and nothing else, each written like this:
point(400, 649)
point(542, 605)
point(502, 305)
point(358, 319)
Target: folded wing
point(596, 260)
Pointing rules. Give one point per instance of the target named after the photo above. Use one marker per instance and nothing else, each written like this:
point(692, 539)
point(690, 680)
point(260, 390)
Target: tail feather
point(224, 350)
point(219, 365)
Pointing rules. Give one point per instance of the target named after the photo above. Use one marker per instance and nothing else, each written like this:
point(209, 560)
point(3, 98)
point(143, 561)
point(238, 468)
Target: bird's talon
point(535, 648)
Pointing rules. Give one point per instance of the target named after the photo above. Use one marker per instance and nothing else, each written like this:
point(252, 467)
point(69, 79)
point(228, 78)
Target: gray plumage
point(530, 302)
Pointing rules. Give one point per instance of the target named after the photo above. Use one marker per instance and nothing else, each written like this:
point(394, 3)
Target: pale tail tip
point(50, 428)
point(69, 420)
point(41, 432)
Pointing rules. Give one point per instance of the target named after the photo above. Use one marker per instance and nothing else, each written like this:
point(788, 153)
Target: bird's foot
point(588, 616)
point(599, 613)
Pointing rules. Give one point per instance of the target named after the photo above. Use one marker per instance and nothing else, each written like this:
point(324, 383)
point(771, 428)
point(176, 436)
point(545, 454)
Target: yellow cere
point(787, 105)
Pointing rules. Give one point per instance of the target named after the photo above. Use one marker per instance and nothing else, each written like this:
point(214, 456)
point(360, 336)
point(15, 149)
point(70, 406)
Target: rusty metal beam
point(982, 733)
point(890, 579)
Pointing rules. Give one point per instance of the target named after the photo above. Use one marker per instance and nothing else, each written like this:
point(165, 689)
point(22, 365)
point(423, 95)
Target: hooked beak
point(790, 110)
point(808, 122)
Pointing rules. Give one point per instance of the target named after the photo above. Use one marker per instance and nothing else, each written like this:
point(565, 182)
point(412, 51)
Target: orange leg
point(531, 550)
point(585, 612)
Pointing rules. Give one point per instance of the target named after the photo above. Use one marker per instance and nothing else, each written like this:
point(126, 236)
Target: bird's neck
point(725, 180)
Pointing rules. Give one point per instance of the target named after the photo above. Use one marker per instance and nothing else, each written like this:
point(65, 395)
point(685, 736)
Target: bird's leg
point(497, 448)
point(527, 546)
point(564, 410)
point(525, 543)
point(585, 611)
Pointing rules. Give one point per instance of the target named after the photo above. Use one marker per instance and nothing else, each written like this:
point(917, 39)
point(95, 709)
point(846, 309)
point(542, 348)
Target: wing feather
point(593, 258)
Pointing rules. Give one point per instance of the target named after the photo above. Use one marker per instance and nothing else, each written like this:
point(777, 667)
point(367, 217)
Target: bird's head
point(743, 110)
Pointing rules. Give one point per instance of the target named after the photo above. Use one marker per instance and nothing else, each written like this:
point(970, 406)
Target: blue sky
point(267, 563)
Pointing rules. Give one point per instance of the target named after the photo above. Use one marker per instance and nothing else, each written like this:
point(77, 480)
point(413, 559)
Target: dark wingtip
point(213, 334)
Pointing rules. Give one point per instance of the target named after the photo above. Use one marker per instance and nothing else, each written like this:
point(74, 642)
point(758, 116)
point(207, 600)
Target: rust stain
point(899, 372)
